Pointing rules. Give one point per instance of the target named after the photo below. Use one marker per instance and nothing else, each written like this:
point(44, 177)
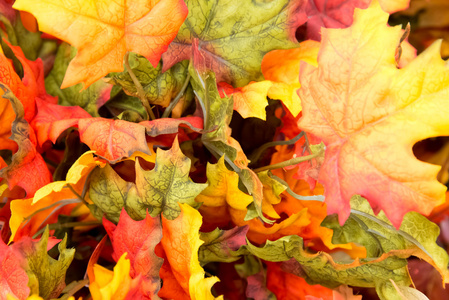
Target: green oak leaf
point(218, 244)
point(46, 275)
point(89, 99)
point(233, 37)
point(160, 88)
point(158, 190)
point(416, 235)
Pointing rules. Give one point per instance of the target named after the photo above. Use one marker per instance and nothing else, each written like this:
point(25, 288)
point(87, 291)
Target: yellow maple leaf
point(103, 31)
point(112, 285)
point(282, 68)
point(369, 114)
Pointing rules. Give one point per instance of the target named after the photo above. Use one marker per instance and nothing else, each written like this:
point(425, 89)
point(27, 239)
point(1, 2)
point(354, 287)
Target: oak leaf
point(139, 239)
point(103, 31)
point(181, 242)
point(359, 104)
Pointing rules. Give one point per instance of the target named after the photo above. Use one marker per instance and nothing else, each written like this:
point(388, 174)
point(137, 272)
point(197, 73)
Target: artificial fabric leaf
point(358, 102)
point(282, 66)
point(18, 35)
point(320, 268)
point(218, 114)
point(393, 291)
point(416, 236)
point(286, 285)
point(27, 169)
point(103, 32)
point(257, 287)
point(139, 240)
point(232, 42)
point(218, 244)
point(89, 99)
point(250, 100)
point(159, 87)
point(339, 13)
point(223, 188)
point(344, 292)
point(46, 273)
point(109, 284)
point(29, 215)
point(158, 190)
point(13, 279)
point(181, 242)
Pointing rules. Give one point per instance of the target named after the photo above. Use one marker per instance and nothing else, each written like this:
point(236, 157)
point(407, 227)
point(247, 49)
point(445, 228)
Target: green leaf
point(233, 37)
point(218, 244)
point(89, 99)
point(217, 113)
point(45, 273)
point(392, 291)
point(18, 35)
point(160, 88)
point(158, 190)
point(320, 268)
point(416, 235)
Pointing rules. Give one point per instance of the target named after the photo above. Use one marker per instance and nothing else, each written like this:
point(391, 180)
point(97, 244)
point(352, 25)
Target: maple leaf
point(359, 104)
point(250, 100)
point(231, 41)
point(103, 31)
point(286, 285)
point(90, 99)
point(46, 274)
point(281, 67)
point(138, 239)
point(29, 215)
point(27, 169)
point(109, 284)
point(181, 242)
point(158, 190)
point(13, 279)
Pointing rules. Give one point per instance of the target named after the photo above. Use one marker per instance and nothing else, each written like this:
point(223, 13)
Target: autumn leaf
point(90, 99)
point(27, 169)
point(46, 274)
point(281, 67)
point(160, 88)
point(158, 190)
point(29, 215)
point(232, 41)
point(139, 239)
point(109, 284)
point(218, 244)
point(13, 279)
point(362, 121)
point(181, 242)
point(103, 32)
point(250, 100)
point(286, 285)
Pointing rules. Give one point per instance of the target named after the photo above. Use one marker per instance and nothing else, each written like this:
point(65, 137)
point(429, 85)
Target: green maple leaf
point(158, 190)
point(89, 99)
point(46, 275)
point(159, 87)
point(233, 37)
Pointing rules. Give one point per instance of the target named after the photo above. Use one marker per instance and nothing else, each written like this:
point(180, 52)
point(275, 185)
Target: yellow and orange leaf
point(103, 31)
point(369, 114)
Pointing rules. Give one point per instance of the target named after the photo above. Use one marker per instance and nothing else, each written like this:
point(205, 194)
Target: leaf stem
point(66, 225)
point(289, 162)
point(177, 98)
point(76, 194)
point(140, 91)
point(254, 157)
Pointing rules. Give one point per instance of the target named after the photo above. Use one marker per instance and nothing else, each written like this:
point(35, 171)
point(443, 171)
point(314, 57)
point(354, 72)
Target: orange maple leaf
point(103, 31)
point(369, 114)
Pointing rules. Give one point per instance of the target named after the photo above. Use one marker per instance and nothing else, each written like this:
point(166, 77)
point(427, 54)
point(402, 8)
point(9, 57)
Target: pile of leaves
point(221, 149)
